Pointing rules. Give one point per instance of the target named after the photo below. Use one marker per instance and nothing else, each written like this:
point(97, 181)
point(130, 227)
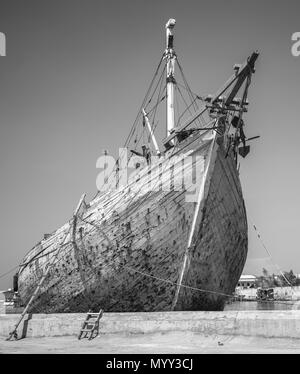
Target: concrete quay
point(162, 332)
point(156, 343)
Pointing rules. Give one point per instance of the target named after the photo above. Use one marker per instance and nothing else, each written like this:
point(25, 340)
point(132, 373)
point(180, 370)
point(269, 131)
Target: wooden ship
point(174, 237)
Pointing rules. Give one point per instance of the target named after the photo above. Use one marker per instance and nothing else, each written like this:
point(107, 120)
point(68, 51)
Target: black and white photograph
point(150, 178)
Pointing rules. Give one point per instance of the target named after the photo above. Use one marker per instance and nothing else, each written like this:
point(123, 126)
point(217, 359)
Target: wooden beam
point(239, 76)
point(247, 69)
point(13, 333)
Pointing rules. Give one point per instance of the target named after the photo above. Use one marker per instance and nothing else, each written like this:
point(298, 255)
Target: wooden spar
point(186, 124)
point(79, 205)
point(151, 132)
point(244, 71)
point(74, 225)
point(13, 333)
point(193, 225)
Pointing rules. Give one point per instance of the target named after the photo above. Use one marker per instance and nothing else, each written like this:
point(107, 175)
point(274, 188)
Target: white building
point(247, 281)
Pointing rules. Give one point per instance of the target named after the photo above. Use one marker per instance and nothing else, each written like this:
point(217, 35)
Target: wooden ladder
point(90, 325)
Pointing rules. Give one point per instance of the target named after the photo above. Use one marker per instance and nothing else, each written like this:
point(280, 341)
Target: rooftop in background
point(247, 281)
point(248, 277)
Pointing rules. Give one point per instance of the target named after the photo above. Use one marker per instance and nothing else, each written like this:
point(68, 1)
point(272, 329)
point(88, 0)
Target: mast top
point(171, 23)
point(169, 31)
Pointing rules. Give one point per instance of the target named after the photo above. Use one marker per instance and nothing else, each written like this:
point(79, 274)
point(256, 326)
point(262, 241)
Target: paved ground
point(172, 343)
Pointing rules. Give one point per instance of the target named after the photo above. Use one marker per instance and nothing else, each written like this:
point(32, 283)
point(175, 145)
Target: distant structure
point(8, 295)
point(6, 298)
point(247, 281)
point(10, 302)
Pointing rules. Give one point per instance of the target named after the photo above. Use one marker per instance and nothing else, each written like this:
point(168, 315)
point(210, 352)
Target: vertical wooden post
point(193, 225)
point(13, 333)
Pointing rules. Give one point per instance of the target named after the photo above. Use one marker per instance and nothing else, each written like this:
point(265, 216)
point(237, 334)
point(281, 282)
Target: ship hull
point(128, 249)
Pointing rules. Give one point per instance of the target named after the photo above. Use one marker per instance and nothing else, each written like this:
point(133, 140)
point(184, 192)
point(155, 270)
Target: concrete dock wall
point(279, 324)
point(280, 293)
point(283, 293)
point(247, 293)
point(2, 307)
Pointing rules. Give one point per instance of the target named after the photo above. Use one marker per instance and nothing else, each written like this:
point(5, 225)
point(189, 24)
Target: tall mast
point(170, 57)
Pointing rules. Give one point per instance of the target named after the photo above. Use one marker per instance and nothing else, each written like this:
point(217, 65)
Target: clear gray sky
point(75, 75)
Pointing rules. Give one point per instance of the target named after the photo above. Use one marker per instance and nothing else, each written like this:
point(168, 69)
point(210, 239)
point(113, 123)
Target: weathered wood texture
point(132, 230)
point(218, 256)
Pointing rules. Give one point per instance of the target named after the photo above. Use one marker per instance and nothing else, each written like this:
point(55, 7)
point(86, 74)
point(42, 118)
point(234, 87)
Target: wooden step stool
point(90, 325)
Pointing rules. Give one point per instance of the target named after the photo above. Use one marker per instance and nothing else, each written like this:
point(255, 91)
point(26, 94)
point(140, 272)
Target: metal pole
point(170, 56)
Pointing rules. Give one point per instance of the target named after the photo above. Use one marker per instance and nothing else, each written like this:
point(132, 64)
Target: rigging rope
point(269, 254)
point(187, 109)
point(194, 94)
point(157, 84)
point(195, 105)
point(178, 284)
point(188, 106)
point(196, 97)
point(8, 272)
point(133, 128)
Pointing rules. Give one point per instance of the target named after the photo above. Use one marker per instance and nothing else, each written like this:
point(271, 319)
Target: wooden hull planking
point(126, 251)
